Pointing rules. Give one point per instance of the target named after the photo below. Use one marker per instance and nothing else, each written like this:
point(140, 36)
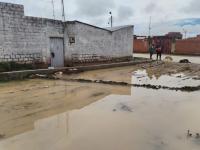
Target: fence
point(188, 47)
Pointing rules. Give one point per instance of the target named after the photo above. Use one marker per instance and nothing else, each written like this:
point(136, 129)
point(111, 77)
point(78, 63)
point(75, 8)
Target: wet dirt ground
point(176, 58)
point(22, 103)
point(64, 115)
point(124, 74)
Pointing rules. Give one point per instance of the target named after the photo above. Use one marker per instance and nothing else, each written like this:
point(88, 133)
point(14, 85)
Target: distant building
point(141, 43)
point(174, 35)
point(54, 43)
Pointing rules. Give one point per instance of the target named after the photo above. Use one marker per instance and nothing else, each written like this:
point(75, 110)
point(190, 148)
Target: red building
point(174, 35)
point(141, 43)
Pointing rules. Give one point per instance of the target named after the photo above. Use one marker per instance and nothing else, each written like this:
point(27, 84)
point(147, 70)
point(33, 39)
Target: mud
point(147, 106)
point(148, 86)
point(24, 102)
point(124, 74)
point(162, 75)
point(175, 58)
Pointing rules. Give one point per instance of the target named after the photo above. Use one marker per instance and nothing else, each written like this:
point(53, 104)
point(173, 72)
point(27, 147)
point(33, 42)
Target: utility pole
point(54, 17)
point(185, 32)
point(63, 10)
point(150, 27)
point(111, 19)
point(149, 37)
point(65, 33)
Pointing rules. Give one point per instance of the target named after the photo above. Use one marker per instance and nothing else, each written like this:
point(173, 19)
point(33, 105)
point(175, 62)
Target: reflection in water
point(175, 80)
point(146, 120)
point(23, 103)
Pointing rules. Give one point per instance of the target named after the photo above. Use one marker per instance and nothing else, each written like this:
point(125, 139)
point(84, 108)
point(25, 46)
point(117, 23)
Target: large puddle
point(124, 118)
point(145, 120)
point(180, 80)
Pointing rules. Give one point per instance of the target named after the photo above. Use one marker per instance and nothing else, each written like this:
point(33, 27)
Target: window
point(71, 40)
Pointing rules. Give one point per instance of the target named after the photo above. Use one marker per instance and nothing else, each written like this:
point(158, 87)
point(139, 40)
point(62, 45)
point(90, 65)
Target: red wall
point(140, 46)
point(189, 46)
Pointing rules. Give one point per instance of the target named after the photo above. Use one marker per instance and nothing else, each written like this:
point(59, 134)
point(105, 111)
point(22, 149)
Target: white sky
point(136, 12)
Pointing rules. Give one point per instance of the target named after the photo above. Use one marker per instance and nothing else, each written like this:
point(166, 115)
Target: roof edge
point(105, 29)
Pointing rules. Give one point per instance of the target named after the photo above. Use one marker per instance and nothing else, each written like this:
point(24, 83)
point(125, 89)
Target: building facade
point(167, 42)
point(52, 42)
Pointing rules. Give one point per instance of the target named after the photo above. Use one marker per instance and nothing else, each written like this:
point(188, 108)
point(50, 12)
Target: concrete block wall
point(25, 35)
point(97, 41)
point(21, 58)
point(122, 42)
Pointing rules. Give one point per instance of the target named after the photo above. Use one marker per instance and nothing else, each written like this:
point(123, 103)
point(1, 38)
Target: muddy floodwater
point(70, 115)
point(145, 119)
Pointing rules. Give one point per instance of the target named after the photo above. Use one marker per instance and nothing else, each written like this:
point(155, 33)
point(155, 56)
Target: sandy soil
point(24, 102)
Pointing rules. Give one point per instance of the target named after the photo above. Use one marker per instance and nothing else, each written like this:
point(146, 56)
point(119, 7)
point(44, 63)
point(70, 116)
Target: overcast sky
point(137, 12)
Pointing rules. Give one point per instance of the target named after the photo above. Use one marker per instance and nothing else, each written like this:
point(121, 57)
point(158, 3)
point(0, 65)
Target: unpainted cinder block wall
point(93, 40)
point(24, 38)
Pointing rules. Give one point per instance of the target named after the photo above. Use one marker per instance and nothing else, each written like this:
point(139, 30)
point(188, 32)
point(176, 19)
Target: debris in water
point(41, 75)
point(197, 136)
point(189, 134)
point(59, 73)
point(114, 110)
point(184, 61)
point(125, 108)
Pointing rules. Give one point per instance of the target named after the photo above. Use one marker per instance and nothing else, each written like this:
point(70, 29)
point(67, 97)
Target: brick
point(140, 46)
point(190, 47)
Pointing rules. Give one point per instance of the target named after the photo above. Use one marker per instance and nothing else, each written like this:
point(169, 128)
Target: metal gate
point(57, 52)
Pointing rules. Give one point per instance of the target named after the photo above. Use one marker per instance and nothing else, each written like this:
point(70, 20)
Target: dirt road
point(24, 102)
point(124, 74)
